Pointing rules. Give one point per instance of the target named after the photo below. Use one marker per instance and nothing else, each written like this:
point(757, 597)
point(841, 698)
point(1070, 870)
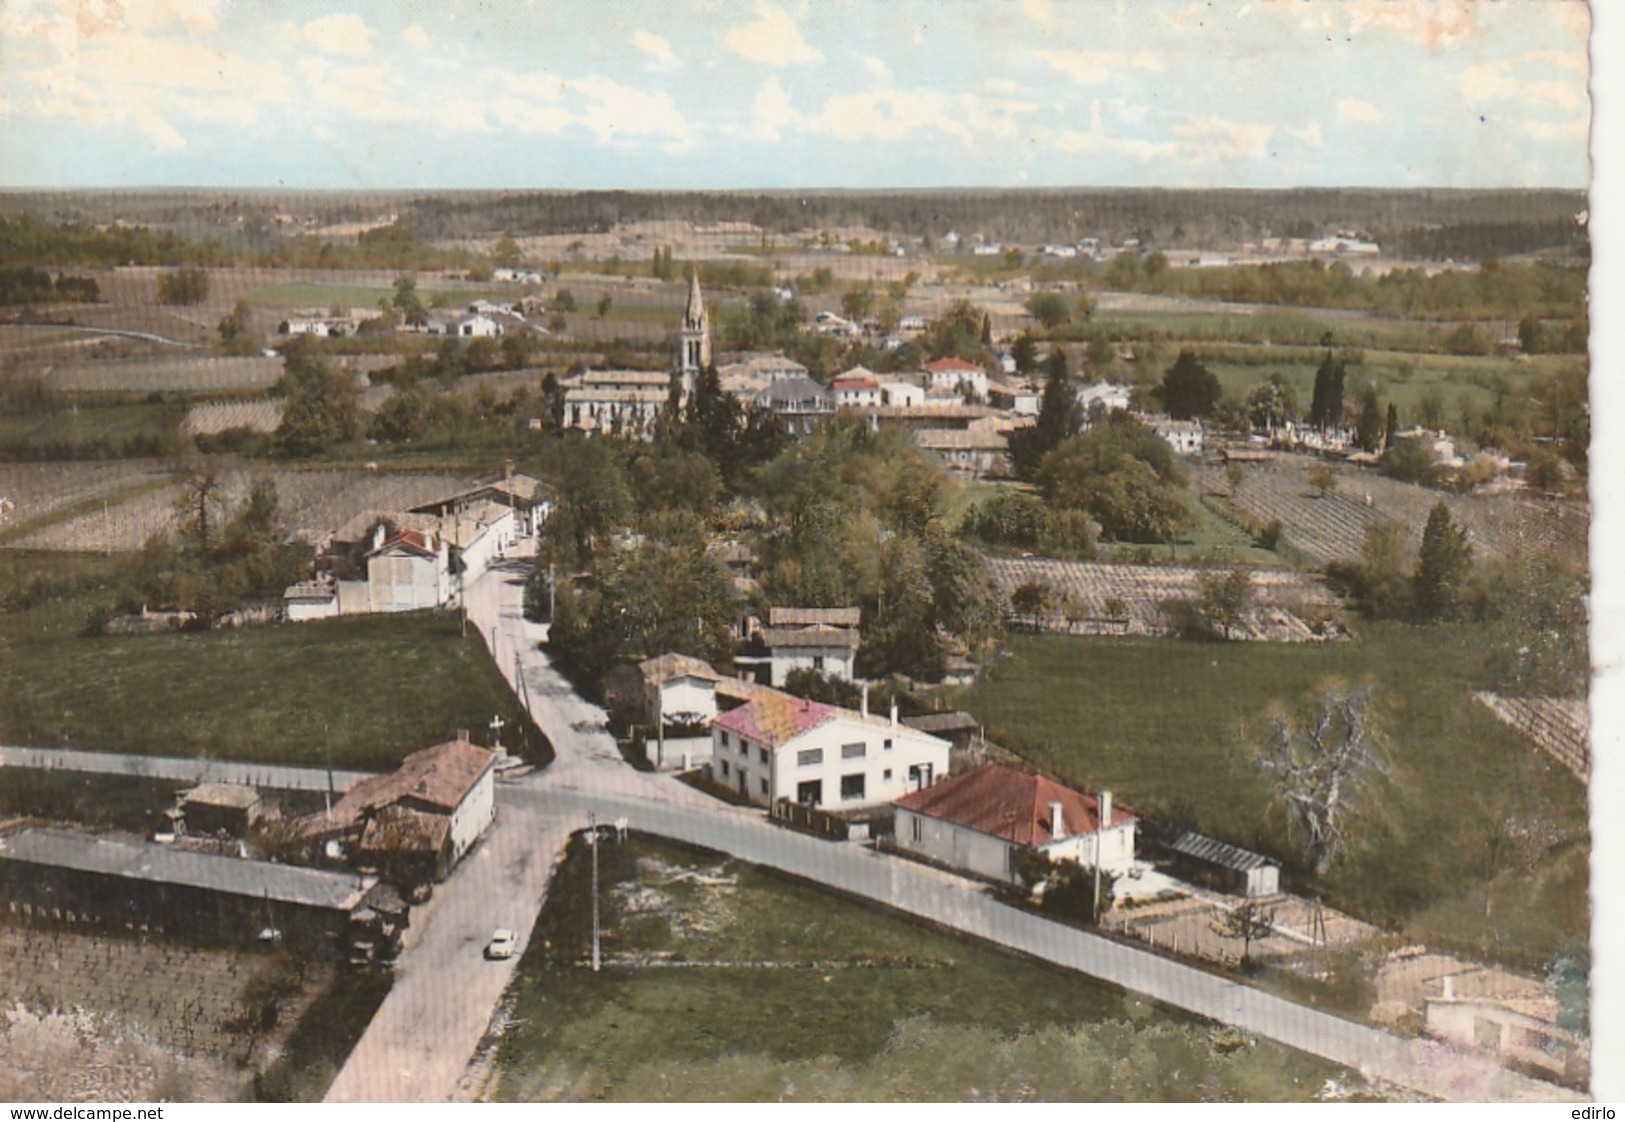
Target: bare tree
point(1320, 765)
point(1248, 921)
point(197, 505)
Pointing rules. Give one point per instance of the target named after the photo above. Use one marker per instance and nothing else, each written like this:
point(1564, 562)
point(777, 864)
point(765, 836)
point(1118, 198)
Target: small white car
point(503, 944)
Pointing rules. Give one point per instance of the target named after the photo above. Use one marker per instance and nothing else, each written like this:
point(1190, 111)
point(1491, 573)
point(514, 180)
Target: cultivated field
point(37, 491)
point(1092, 598)
point(216, 417)
point(313, 505)
point(177, 373)
point(1332, 527)
point(1559, 726)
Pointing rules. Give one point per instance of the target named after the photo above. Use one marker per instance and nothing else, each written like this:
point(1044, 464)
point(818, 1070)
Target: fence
point(820, 822)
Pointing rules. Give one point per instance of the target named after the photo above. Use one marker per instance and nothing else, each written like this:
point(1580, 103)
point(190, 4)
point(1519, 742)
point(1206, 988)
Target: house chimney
point(894, 712)
point(1105, 800)
point(865, 708)
point(1449, 987)
point(1057, 822)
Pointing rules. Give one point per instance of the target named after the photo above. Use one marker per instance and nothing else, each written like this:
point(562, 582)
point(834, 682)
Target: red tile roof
point(1010, 803)
point(413, 541)
point(951, 366)
point(771, 717)
point(860, 383)
point(435, 779)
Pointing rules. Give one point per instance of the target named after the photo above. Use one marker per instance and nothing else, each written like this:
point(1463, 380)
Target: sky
point(371, 94)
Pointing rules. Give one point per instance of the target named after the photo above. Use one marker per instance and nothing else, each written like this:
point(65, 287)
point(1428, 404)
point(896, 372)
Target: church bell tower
point(694, 346)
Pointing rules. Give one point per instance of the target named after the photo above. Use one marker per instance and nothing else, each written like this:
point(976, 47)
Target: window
point(725, 742)
point(724, 767)
point(744, 748)
point(818, 663)
point(810, 757)
point(810, 793)
point(854, 751)
point(886, 774)
point(764, 786)
point(888, 744)
point(914, 828)
point(762, 753)
point(852, 786)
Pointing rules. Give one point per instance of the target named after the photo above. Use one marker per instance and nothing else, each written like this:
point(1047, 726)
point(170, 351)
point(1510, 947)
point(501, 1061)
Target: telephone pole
point(592, 825)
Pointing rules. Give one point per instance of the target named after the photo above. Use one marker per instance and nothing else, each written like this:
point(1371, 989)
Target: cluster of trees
point(1189, 390)
point(24, 284)
point(237, 331)
point(1123, 476)
point(218, 557)
point(319, 407)
point(183, 286)
point(1019, 520)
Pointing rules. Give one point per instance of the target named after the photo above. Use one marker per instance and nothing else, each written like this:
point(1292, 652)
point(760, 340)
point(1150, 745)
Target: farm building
point(954, 375)
point(678, 689)
point(311, 599)
point(1228, 868)
point(779, 747)
point(105, 881)
point(1184, 437)
point(408, 572)
point(418, 820)
point(231, 808)
point(977, 451)
point(823, 640)
point(980, 820)
point(1514, 1018)
point(959, 728)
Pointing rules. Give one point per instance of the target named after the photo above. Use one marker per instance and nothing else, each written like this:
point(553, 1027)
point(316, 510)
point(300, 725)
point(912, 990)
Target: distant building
point(856, 388)
point(779, 747)
point(311, 599)
point(1184, 437)
point(408, 572)
point(978, 451)
point(1224, 867)
point(678, 689)
point(694, 338)
point(616, 401)
point(956, 375)
point(1110, 397)
point(978, 821)
point(212, 808)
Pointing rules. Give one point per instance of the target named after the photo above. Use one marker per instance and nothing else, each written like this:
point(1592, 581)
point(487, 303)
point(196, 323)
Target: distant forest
point(1464, 225)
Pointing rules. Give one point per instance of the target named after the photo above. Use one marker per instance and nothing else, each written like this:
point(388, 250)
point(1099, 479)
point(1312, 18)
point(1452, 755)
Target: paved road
point(273, 776)
point(445, 995)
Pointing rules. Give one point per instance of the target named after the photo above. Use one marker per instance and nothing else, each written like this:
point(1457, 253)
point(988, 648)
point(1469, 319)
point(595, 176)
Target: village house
point(311, 599)
point(1110, 397)
point(465, 326)
point(801, 405)
point(977, 451)
point(529, 498)
point(616, 401)
point(855, 389)
point(418, 820)
point(769, 368)
point(407, 572)
point(1184, 437)
point(823, 640)
point(895, 391)
point(978, 821)
point(955, 375)
point(678, 690)
point(1507, 1016)
point(212, 808)
point(779, 747)
point(1021, 398)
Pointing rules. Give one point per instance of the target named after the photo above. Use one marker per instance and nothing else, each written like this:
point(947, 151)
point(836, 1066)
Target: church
point(629, 402)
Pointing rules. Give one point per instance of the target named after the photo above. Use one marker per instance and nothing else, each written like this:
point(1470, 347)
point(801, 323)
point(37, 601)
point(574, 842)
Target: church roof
point(694, 314)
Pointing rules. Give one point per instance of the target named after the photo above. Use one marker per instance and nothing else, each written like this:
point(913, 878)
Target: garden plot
point(168, 374)
point(215, 417)
point(37, 491)
point(1093, 598)
point(1558, 726)
point(1332, 526)
point(312, 504)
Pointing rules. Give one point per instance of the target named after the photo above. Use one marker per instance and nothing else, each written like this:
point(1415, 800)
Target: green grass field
point(77, 427)
point(307, 294)
point(835, 1001)
point(361, 692)
point(1469, 812)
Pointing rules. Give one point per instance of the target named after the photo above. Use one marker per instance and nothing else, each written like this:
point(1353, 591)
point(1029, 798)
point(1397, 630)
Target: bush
point(183, 286)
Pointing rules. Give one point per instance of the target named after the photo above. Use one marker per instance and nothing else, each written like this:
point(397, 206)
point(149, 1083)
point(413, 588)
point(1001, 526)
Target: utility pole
point(592, 825)
point(551, 598)
point(660, 729)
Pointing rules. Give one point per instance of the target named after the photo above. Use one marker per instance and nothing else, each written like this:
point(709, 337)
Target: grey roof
point(162, 864)
point(1216, 852)
point(943, 722)
point(796, 391)
point(781, 616)
point(784, 637)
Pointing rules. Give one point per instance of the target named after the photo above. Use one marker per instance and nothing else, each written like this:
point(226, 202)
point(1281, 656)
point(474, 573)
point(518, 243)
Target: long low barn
point(207, 896)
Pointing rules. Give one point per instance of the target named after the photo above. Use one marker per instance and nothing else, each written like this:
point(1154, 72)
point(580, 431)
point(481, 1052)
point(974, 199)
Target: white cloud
point(1353, 109)
point(194, 15)
point(1095, 68)
point(877, 67)
point(365, 91)
point(1191, 16)
point(774, 39)
point(1215, 138)
point(1434, 24)
point(657, 47)
point(1498, 81)
point(1308, 135)
point(608, 109)
point(1577, 129)
point(342, 33)
point(415, 35)
point(888, 114)
point(772, 111)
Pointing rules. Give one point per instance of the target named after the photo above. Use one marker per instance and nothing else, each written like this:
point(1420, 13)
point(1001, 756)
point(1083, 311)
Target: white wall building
point(776, 746)
point(856, 389)
point(831, 651)
point(408, 572)
point(954, 375)
point(980, 820)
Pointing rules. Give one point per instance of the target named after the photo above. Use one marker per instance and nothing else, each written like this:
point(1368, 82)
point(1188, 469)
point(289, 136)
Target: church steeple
point(694, 346)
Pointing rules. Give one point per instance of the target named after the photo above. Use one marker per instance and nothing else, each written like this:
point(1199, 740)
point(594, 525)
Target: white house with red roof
point(855, 389)
point(979, 820)
point(777, 746)
point(954, 375)
point(408, 572)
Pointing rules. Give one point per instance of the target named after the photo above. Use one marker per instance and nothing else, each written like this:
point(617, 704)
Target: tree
point(1057, 418)
point(183, 286)
point(197, 508)
point(1326, 408)
point(1322, 480)
point(1431, 409)
point(1539, 626)
point(1271, 404)
point(1189, 389)
point(1121, 475)
point(319, 404)
point(1025, 353)
point(1225, 597)
point(1319, 766)
point(563, 301)
point(506, 252)
point(1049, 308)
point(858, 303)
point(900, 635)
point(237, 330)
point(1390, 425)
point(1380, 581)
point(407, 302)
point(515, 349)
point(1443, 564)
point(1368, 428)
point(605, 303)
point(1247, 921)
point(1031, 600)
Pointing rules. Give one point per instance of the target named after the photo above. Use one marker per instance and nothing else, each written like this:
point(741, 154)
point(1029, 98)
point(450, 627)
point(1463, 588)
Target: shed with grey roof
point(1228, 868)
point(145, 885)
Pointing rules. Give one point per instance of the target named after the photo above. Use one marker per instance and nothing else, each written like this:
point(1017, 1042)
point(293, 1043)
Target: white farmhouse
point(954, 375)
point(980, 820)
point(679, 689)
point(824, 640)
point(1184, 437)
point(856, 389)
point(311, 599)
point(779, 747)
point(408, 572)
